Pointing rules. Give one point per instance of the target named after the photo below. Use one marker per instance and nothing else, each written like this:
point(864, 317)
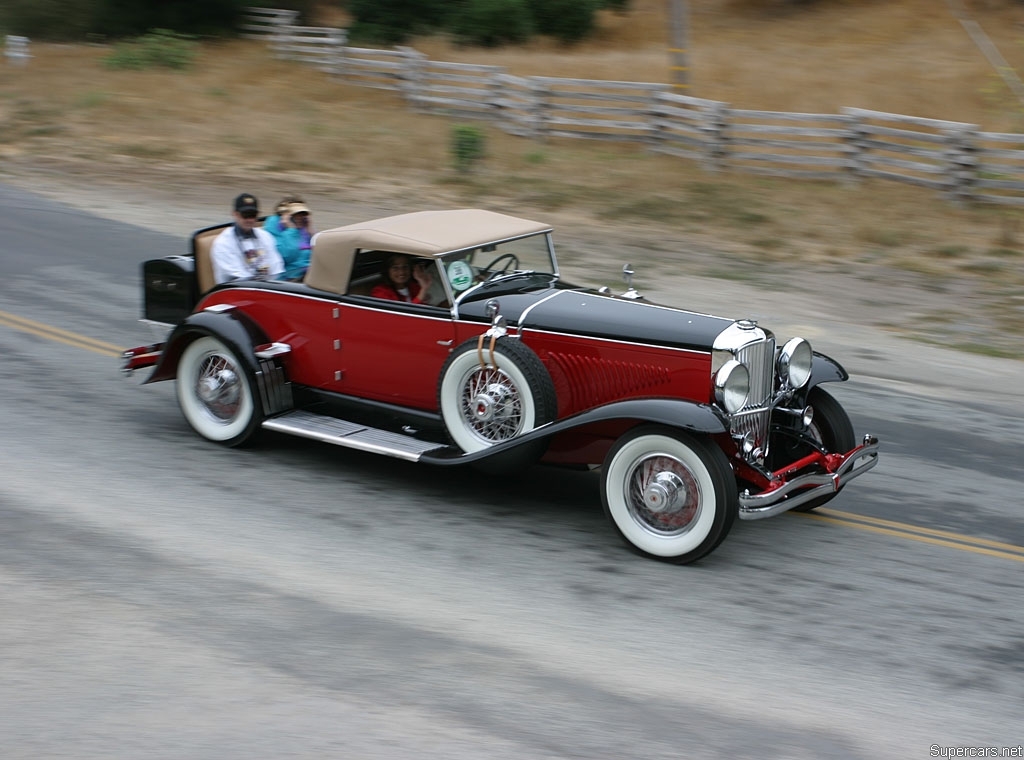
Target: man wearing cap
point(244, 251)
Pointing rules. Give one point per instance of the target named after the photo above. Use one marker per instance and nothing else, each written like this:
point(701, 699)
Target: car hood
point(593, 314)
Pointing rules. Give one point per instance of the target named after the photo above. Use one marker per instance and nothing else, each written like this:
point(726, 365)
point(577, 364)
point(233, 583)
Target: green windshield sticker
point(460, 275)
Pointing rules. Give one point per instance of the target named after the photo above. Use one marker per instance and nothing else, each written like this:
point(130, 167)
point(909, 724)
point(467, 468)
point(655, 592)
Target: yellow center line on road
point(56, 334)
point(932, 536)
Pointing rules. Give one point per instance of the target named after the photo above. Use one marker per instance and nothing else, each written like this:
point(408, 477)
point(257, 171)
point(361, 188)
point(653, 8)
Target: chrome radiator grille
point(759, 357)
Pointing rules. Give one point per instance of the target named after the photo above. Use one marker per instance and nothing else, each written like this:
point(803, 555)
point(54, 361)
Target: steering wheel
point(492, 270)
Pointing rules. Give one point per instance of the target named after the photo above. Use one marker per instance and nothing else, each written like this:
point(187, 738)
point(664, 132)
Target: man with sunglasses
point(245, 251)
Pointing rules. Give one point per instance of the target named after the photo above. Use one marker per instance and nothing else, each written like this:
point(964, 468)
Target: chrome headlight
point(794, 363)
point(732, 386)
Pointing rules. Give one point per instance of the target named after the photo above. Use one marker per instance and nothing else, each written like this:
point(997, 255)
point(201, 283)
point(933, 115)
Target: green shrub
point(390, 21)
point(47, 19)
point(92, 99)
point(159, 48)
point(493, 22)
point(566, 20)
point(130, 18)
point(112, 19)
point(467, 146)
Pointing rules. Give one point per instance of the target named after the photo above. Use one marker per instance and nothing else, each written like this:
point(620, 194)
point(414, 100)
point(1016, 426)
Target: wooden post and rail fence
point(957, 159)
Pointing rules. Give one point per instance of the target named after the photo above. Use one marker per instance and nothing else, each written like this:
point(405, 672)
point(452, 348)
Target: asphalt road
point(164, 597)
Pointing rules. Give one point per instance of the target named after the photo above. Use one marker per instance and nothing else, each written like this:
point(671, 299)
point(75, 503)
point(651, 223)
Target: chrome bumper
point(782, 499)
point(140, 358)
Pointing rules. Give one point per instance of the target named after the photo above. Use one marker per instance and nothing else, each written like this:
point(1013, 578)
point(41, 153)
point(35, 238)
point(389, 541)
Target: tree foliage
point(567, 20)
point(493, 22)
point(123, 18)
point(78, 19)
point(48, 19)
point(391, 21)
point(483, 22)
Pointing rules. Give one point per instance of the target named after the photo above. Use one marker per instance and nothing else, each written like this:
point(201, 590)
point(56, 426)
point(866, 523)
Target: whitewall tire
point(215, 393)
point(508, 395)
point(670, 495)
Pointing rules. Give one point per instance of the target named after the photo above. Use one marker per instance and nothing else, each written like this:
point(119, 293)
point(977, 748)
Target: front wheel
point(670, 496)
point(832, 429)
point(215, 393)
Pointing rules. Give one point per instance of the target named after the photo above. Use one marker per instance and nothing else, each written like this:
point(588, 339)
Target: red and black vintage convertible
point(693, 419)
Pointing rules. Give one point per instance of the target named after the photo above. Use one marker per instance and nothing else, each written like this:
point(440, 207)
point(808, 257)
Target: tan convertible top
point(422, 233)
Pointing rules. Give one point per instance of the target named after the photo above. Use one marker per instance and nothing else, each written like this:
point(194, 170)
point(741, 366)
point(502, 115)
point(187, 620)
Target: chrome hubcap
point(492, 407)
point(662, 494)
point(218, 387)
point(665, 493)
point(495, 400)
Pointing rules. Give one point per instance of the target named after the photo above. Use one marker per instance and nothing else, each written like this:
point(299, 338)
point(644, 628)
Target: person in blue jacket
point(292, 229)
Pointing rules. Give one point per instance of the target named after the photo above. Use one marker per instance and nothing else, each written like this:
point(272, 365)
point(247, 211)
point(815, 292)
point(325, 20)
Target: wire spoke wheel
point(215, 393)
point(662, 494)
point(495, 393)
point(670, 495)
point(492, 405)
point(218, 387)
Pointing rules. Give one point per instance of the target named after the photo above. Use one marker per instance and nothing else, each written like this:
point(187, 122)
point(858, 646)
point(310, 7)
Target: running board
point(349, 434)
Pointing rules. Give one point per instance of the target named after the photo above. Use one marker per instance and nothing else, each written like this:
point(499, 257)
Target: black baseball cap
point(246, 202)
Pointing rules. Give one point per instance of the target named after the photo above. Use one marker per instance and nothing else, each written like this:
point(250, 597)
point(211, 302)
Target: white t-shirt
point(239, 257)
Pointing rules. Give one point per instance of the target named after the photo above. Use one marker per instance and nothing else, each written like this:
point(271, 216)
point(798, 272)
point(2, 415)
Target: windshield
point(490, 263)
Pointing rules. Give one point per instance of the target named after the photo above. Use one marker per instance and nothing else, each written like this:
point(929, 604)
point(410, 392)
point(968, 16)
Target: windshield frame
point(479, 256)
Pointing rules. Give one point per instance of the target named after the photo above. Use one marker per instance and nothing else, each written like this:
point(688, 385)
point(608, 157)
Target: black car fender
point(825, 369)
point(678, 413)
point(236, 329)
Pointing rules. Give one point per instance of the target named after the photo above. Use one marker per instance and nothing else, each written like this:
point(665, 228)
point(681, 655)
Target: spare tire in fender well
point(493, 390)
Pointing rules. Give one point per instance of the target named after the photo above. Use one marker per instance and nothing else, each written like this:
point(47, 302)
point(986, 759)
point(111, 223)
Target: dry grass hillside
point(238, 114)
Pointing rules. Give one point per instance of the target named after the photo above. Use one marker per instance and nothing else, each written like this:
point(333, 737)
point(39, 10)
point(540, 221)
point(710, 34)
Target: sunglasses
point(249, 214)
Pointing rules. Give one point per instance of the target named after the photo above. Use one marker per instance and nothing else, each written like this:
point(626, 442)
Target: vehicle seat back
point(203, 242)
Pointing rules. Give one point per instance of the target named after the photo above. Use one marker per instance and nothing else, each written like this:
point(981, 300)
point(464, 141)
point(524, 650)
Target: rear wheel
point(670, 496)
point(215, 393)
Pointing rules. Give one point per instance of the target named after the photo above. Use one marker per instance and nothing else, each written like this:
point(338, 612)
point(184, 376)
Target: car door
point(391, 351)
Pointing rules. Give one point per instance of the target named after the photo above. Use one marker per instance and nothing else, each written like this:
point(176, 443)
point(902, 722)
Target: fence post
point(336, 51)
point(515, 105)
point(541, 103)
point(963, 163)
point(279, 30)
point(527, 116)
point(411, 74)
point(656, 132)
point(16, 49)
point(716, 138)
point(855, 147)
point(497, 87)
